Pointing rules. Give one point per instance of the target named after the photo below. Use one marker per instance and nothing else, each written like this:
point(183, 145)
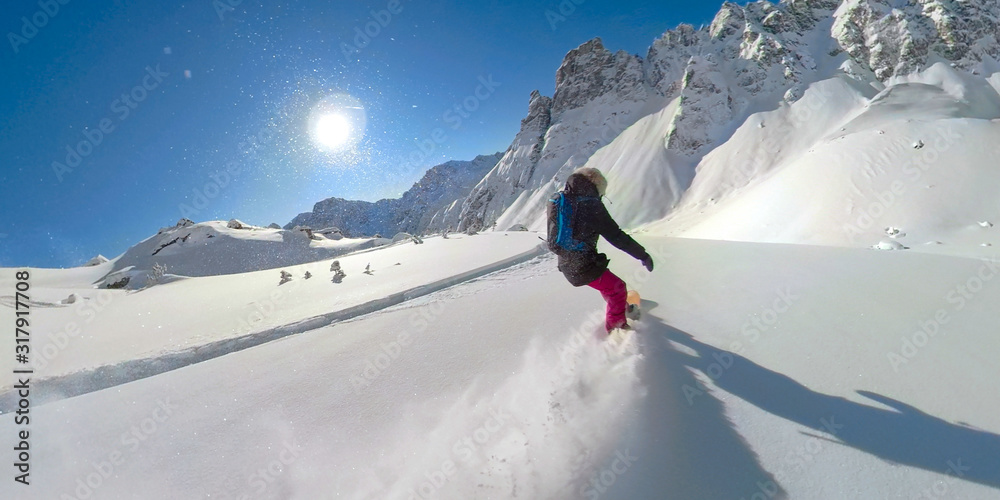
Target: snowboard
point(620, 339)
point(633, 312)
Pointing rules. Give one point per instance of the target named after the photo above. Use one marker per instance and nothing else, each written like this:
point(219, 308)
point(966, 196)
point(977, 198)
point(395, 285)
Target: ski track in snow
point(46, 390)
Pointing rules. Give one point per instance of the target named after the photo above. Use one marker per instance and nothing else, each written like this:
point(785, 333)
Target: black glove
point(648, 262)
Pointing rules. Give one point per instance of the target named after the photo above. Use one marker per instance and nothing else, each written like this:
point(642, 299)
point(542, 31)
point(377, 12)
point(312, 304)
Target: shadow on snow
point(903, 434)
point(689, 449)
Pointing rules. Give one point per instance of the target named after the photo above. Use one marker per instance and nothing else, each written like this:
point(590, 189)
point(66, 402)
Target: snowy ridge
point(760, 57)
point(84, 322)
point(849, 166)
point(58, 387)
point(216, 248)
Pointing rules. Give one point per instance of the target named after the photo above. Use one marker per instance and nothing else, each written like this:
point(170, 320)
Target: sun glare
point(333, 130)
point(337, 124)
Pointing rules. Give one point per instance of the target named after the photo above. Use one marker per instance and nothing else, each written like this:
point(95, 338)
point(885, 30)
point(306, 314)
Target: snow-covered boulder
point(237, 224)
point(212, 248)
point(889, 245)
point(331, 233)
point(304, 230)
point(71, 299)
point(96, 261)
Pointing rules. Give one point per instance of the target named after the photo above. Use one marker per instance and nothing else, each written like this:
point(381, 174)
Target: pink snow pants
point(613, 290)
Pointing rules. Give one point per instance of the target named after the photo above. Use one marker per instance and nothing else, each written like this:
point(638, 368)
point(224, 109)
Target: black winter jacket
point(590, 220)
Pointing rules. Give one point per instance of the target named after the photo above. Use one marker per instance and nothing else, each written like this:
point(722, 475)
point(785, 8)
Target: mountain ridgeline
point(649, 122)
point(696, 87)
point(432, 204)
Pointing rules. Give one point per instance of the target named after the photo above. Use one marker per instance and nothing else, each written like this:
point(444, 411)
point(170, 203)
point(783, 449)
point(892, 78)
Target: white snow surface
point(757, 371)
point(106, 329)
point(840, 166)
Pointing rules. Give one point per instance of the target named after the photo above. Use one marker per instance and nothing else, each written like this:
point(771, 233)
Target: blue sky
point(156, 110)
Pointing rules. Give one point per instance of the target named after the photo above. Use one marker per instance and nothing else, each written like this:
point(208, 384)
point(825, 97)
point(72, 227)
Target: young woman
point(575, 220)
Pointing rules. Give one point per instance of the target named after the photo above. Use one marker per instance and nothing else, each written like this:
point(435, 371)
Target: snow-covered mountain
point(912, 165)
point(431, 204)
point(216, 248)
point(649, 123)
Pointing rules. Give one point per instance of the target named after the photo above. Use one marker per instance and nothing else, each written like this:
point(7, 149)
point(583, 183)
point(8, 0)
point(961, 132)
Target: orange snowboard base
point(633, 300)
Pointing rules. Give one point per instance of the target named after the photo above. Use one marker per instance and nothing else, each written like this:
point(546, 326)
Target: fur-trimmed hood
point(586, 181)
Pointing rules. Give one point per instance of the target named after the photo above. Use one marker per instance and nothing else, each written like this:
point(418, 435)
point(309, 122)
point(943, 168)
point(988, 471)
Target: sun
point(332, 130)
point(337, 124)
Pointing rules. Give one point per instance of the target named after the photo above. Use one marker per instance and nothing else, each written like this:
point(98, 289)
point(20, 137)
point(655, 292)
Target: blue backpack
point(560, 230)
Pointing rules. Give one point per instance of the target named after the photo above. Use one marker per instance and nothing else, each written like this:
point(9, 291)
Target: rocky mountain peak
point(591, 71)
point(757, 56)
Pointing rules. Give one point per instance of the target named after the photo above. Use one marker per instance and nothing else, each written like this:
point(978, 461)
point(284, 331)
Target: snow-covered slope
point(431, 205)
point(846, 166)
point(216, 247)
point(101, 336)
point(660, 116)
point(828, 373)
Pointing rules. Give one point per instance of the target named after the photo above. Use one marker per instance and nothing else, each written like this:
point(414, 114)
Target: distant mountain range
point(695, 87)
point(649, 122)
point(432, 204)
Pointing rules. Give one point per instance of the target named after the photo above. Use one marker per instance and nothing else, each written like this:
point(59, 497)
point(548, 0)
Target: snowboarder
point(576, 217)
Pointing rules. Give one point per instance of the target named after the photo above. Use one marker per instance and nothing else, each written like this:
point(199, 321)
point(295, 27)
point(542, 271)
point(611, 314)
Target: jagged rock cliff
point(695, 87)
